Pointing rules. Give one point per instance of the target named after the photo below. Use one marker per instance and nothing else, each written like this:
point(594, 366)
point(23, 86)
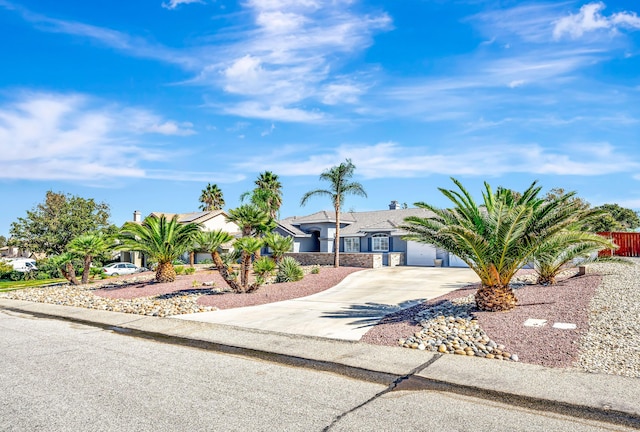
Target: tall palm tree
point(88, 246)
point(267, 195)
point(211, 241)
point(340, 185)
point(499, 237)
point(211, 198)
point(163, 240)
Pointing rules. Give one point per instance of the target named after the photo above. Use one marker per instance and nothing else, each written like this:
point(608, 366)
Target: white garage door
point(420, 254)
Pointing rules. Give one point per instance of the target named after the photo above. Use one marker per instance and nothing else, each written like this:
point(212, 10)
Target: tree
point(211, 241)
point(617, 218)
point(340, 185)
point(248, 246)
point(499, 237)
point(51, 225)
point(268, 194)
point(251, 219)
point(161, 239)
point(278, 244)
point(3, 241)
point(88, 246)
point(211, 198)
point(64, 262)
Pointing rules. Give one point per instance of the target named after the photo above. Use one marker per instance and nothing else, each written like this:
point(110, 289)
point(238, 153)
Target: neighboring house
point(373, 232)
point(208, 220)
point(16, 252)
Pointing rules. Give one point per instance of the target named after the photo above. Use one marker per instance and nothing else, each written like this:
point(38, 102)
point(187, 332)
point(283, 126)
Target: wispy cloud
point(391, 160)
point(590, 19)
point(74, 137)
point(172, 4)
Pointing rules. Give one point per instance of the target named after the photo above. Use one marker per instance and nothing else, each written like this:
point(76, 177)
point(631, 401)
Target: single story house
point(375, 233)
point(208, 220)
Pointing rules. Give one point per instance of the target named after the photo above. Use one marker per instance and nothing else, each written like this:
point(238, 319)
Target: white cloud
point(390, 160)
point(590, 19)
point(175, 3)
point(74, 137)
point(268, 131)
point(272, 112)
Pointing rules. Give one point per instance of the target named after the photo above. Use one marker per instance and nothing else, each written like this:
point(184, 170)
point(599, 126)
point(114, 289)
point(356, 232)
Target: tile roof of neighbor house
point(195, 217)
point(357, 223)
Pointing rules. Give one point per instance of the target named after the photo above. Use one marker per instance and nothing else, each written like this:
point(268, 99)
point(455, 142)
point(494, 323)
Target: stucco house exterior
point(375, 233)
point(208, 220)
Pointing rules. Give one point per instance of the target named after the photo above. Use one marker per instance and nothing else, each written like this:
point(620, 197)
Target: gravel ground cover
point(604, 305)
point(200, 292)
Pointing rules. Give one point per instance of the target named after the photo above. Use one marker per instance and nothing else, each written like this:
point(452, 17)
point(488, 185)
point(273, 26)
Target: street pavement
point(348, 310)
point(61, 375)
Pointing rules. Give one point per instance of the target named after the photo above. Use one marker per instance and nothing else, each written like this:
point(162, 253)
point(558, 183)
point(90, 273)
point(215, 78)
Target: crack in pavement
point(389, 389)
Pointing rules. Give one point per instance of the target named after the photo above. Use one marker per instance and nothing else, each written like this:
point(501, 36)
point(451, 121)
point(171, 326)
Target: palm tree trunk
point(244, 278)
point(165, 272)
point(336, 240)
point(86, 270)
point(224, 272)
point(69, 273)
point(495, 298)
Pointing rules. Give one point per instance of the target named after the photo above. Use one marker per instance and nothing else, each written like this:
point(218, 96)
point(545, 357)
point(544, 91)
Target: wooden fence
point(629, 243)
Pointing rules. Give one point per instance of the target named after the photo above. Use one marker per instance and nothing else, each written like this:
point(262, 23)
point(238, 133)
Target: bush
point(48, 265)
point(189, 270)
point(178, 262)
point(289, 270)
point(16, 276)
point(5, 270)
point(264, 266)
point(43, 275)
point(206, 261)
point(179, 269)
point(315, 269)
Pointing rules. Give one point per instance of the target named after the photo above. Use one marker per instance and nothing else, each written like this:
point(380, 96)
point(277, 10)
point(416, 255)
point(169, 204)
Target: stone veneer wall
point(396, 259)
point(366, 260)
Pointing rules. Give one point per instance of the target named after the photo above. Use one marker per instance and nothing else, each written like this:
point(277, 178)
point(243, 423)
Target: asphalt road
point(61, 376)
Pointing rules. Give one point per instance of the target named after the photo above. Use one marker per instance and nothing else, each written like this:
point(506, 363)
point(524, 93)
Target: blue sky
point(141, 104)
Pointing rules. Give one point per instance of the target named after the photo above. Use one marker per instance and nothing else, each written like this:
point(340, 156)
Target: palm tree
point(498, 238)
point(211, 198)
point(251, 219)
point(248, 246)
point(211, 241)
point(267, 195)
point(338, 177)
point(88, 246)
point(163, 240)
point(65, 263)
point(278, 244)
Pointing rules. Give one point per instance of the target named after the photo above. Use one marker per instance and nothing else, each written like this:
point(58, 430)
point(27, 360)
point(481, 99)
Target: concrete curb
point(607, 398)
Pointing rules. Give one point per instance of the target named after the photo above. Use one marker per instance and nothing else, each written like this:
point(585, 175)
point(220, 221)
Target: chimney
point(394, 205)
point(136, 216)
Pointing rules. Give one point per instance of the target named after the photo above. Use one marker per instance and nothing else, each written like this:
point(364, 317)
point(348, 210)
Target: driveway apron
point(348, 310)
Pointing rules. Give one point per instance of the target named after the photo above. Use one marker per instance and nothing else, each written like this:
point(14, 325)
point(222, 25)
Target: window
point(380, 243)
point(352, 244)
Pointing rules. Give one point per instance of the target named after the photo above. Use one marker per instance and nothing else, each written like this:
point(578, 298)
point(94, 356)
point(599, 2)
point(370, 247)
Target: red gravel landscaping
point(566, 302)
point(311, 284)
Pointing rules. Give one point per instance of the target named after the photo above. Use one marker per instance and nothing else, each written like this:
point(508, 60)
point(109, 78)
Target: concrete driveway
point(349, 309)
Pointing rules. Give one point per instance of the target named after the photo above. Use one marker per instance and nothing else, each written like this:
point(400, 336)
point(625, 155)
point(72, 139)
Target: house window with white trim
point(380, 243)
point(352, 244)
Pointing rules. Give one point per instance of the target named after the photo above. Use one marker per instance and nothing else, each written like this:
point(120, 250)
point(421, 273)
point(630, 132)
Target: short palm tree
point(250, 218)
point(248, 246)
point(88, 246)
point(64, 262)
point(340, 185)
point(211, 241)
point(278, 244)
point(497, 238)
point(161, 239)
point(211, 198)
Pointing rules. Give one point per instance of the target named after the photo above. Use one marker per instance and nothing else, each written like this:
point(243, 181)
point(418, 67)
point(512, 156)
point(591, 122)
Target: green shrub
point(43, 275)
point(315, 269)
point(206, 261)
point(179, 269)
point(16, 276)
point(289, 270)
point(263, 267)
point(178, 262)
point(5, 270)
point(189, 270)
point(48, 265)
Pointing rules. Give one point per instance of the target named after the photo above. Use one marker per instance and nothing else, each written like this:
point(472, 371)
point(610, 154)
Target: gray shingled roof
point(357, 223)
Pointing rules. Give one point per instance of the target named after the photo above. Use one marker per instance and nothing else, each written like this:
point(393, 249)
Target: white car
point(122, 268)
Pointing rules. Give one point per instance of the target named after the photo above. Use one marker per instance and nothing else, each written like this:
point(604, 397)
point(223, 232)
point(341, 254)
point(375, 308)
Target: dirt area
point(566, 302)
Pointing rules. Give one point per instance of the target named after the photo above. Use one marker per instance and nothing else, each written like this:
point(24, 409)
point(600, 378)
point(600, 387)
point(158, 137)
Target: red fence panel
point(629, 243)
